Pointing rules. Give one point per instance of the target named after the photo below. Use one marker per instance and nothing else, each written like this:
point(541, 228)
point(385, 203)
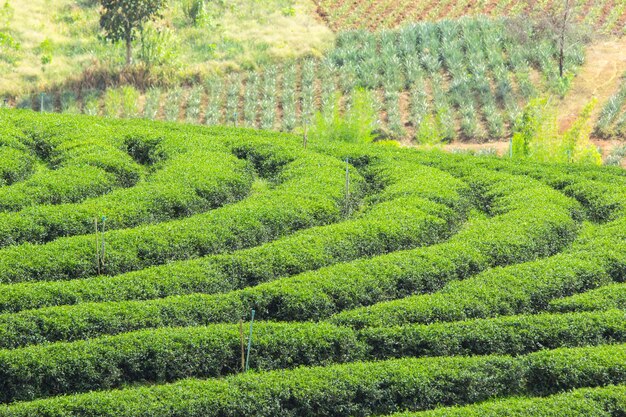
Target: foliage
point(536, 136)
point(383, 278)
point(121, 20)
point(158, 46)
point(356, 127)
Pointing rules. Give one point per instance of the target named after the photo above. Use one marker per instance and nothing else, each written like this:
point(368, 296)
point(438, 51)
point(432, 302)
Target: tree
point(121, 20)
point(560, 22)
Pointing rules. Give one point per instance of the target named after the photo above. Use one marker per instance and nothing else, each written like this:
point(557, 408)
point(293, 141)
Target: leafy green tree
point(121, 20)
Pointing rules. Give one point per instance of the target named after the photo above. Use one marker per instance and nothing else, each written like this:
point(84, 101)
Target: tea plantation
point(384, 281)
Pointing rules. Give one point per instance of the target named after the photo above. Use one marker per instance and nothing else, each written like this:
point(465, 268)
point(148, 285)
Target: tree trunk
point(561, 60)
point(129, 51)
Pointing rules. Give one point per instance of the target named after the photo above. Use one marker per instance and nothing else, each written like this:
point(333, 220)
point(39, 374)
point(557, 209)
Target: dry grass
point(249, 33)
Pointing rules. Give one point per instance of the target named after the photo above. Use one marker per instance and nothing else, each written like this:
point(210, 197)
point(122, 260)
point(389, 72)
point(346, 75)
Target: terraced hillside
point(383, 279)
point(607, 16)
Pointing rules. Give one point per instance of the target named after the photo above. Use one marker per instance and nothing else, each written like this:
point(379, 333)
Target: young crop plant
point(69, 103)
point(329, 95)
point(91, 102)
point(288, 97)
point(172, 106)
point(251, 100)
point(130, 102)
point(113, 100)
point(268, 98)
point(394, 116)
point(605, 126)
point(231, 109)
point(153, 103)
point(194, 102)
point(419, 103)
point(307, 91)
point(213, 113)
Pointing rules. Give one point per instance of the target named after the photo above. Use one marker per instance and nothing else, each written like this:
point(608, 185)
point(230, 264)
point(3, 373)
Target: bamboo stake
point(243, 355)
point(104, 219)
point(249, 342)
point(97, 246)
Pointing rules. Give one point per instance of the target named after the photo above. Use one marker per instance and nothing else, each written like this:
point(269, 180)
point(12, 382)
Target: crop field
point(607, 16)
point(612, 120)
point(383, 280)
point(466, 79)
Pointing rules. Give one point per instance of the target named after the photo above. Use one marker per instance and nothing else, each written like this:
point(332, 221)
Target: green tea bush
point(175, 353)
point(610, 296)
point(361, 388)
point(278, 211)
point(15, 165)
point(517, 289)
point(347, 252)
point(319, 294)
point(213, 350)
point(601, 402)
point(187, 185)
point(391, 223)
point(512, 335)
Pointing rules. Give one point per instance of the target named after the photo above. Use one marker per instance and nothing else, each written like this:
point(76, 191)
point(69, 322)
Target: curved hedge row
point(300, 200)
point(189, 184)
point(63, 166)
point(597, 258)
point(602, 193)
point(597, 402)
point(388, 225)
point(63, 185)
point(362, 388)
point(506, 238)
point(15, 165)
point(610, 296)
point(109, 362)
point(212, 351)
point(511, 335)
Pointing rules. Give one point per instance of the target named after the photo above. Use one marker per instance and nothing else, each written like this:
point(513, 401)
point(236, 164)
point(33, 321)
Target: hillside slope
point(380, 279)
point(237, 34)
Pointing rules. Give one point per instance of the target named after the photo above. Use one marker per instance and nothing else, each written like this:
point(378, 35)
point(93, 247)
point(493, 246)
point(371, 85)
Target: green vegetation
point(537, 136)
point(193, 40)
point(612, 120)
point(364, 388)
point(383, 279)
point(607, 402)
point(470, 73)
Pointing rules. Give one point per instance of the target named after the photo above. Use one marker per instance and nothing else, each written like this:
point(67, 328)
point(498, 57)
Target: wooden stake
point(249, 342)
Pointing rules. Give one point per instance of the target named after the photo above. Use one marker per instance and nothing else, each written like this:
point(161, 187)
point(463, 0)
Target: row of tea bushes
point(596, 259)
point(599, 402)
point(397, 218)
point(186, 185)
point(302, 198)
point(214, 350)
point(508, 237)
point(362, 388)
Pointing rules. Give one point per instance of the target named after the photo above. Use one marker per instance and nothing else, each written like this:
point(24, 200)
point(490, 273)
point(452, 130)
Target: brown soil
point(598, 78)
point(502, 147)
point(605, 12)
